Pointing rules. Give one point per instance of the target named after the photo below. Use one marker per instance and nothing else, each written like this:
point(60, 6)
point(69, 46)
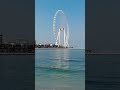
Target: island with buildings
point(17, 46)
point(50, 46)
point(23, 46)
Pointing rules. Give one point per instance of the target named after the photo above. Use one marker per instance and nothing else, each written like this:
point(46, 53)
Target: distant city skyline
point(75, 12)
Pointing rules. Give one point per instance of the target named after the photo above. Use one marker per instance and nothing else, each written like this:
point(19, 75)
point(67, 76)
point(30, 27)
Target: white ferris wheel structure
point(63, 29)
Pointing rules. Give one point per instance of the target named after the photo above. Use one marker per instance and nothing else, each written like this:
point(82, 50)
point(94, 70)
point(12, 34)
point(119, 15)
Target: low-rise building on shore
point(49, 46)
point(17, 48)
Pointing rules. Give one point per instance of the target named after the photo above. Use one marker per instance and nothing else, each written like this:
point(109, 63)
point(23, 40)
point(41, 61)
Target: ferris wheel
point(60, 26)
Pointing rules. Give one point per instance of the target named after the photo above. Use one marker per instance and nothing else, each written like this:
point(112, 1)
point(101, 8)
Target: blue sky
point(75, 12)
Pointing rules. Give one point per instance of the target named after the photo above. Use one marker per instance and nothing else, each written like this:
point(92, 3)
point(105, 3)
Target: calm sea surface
point(17, 72)
point(60, 69)
point(102, 72)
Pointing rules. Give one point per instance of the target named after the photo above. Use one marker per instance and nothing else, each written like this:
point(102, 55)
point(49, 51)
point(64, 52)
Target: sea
point(59, 69)
point(102, 72)
point(17, 72)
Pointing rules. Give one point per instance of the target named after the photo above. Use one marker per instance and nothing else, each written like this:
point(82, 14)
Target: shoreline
point(56, 48)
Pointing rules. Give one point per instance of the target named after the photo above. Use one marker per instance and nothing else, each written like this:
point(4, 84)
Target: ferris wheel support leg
point(59, 37)
point(64, 38)
point(57, 43)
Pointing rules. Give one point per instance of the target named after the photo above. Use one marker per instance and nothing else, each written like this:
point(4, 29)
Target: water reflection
point(62, 61)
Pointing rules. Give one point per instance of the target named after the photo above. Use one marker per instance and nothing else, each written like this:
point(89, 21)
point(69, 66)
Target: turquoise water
point(59, 69)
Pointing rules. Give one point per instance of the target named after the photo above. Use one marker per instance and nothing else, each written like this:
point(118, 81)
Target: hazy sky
point(75, 12)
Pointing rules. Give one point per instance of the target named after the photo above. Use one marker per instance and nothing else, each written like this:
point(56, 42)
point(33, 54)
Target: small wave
point(59, 69)
point(70, 60)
